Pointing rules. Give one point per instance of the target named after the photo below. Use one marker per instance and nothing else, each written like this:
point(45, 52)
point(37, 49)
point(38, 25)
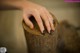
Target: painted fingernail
point(51, 32)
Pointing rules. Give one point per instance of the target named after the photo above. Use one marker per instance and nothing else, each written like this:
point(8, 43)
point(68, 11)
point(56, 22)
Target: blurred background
point(11, 30)
point(62, 10)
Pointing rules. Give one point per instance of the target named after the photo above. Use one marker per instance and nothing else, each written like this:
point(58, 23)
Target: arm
point(11, 4)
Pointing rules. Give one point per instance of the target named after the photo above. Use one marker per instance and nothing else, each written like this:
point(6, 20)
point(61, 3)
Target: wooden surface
point(64, 39)
point(38, 42)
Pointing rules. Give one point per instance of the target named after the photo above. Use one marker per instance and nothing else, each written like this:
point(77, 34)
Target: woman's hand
point(39, 13)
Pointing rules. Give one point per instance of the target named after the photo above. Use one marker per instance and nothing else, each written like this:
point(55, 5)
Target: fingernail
point(51, 32)
point(43, 32)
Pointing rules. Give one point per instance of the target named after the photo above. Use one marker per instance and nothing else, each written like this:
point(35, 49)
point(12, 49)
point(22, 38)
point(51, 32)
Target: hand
point(39, 13)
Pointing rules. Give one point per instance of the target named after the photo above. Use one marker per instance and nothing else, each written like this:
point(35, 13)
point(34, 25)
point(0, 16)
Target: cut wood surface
point(38, 42)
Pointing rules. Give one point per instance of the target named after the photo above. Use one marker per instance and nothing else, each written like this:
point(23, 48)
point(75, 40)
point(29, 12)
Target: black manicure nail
point(51, 32)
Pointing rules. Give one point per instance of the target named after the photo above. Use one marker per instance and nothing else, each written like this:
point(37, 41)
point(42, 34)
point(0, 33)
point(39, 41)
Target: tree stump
point(38, 42)
point(68, 38)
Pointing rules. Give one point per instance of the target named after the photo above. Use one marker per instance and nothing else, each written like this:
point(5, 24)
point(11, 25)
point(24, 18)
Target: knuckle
point(51, 18)
point(35, 10)
point(42, 9)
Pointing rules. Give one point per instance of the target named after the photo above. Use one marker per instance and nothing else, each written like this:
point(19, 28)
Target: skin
point(39, 12)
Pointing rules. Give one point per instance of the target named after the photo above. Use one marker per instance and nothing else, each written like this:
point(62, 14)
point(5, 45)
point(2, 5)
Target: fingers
point(45, 15)
point(27, 21)
point(38, 19)
point(45, 18)
point(50, 18)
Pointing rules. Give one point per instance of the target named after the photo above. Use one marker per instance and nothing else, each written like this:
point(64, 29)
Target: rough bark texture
point(64, 39)
point(38, 42)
